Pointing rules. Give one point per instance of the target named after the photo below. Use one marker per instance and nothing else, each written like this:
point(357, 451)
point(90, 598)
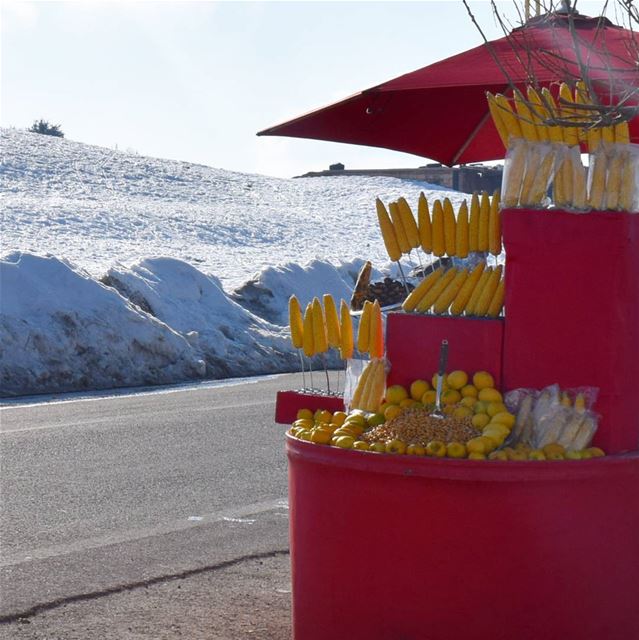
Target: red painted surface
point(413, 342)
point(572, 311)
point(391, 547)
point(288, 403)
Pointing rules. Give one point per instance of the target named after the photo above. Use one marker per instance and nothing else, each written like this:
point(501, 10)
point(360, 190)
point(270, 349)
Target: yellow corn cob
point(533, 164)
point(450, 292)
point(558, 192)
point(421, 290)
point(332, 321)
point(388, 232)
point(487, 293)
point(497, 119)
point(320, 339)
point(508, 117)
point(360, 387)
point(449, 227)
point(571, 134)
point(484, 216)
point(516, 169)
point(539, 113)
point(295, 322)
point(565, 400)
point(580, 402)
point(462, 298)
point(398, 225)
point(376, 388)
point(376, 333)
point(607, 134)
point(427, 301)
point(439, 243)
point(555, 134)
point(371, 368)
point(581, 98)
point(579, 184)
point(461, 231)
point(423, 224)
point(473, 223)
point(525, 118)
point(626, 196)
point(363, 332)
point(613, 183)
point(597, 193)
point(469, 309)
point(346, 331)
point(496, 304)
point(540, 184)
point(308, 343)
point(494, 226)
point(408, 221)
point(593, 137)
point(622, 133)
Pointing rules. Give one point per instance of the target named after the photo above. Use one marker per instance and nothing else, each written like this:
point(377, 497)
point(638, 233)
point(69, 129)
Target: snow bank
point(61, 330)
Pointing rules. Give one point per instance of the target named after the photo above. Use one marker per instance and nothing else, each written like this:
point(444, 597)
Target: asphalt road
point(103, 495)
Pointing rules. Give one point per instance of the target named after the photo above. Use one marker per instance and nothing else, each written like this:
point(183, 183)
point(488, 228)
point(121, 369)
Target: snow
point(121, 270)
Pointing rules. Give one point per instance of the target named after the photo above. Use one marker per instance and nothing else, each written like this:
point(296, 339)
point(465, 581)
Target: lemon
point(338, 418)
point(407, 402)
point(392, 411)
point(469, 391)
point(395, 394)
point(360, 445)
point(483, 380)
point(451, 396)
point(584, 454)
point(448, 409)
point(555, 455)
point(475, 455)
point(383, 406)
point(480, 444)
point(345, 442)
point(436, 448)
point(596, 452)
point(462, 412)
point(480, 407)
point(306, 423)
point(396, 446)
point(505, 418)
point(536, 454)
point(457, 379)
point(488, 394)
point(304, 434)
point(468, 401)
point(429, 397)
point(493, 408)
point(415, 450)
point(518, 456)
point(418, 389)
point(498, 455)
point(572, 455)
point(456, 450)
point(376, 419)
point(496, 436)
point(480, 420)
point(380, 447)
point(304, 414)
point(325, 416)
point(357, 418)
point(553, 448)
point(321, 436)
point(444, 383)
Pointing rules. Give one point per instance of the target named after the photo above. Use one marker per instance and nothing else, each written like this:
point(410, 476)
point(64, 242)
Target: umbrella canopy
point(441, 112)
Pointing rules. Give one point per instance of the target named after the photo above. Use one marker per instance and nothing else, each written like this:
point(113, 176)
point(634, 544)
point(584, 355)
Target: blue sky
point(196, 80)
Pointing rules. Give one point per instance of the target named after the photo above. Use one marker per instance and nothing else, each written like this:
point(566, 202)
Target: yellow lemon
point(418, 389)
point(596, 452)
point(380, 447)
point(584, 454)
point(392, 411)
point(304, 434)
point(572, 455)
point(469, 391)
point(376, 419)
point(321, 436)
point(396, 447)
point(345, 442)
point(360, 445)
point(480, 420)
point(536, 454)
point(553, 447)
point(338, 418)
point(468, 401)
point(415, 450)
point(493, 408)
point(480, 407)
point(304, 414)
point(444, 383)
point(457, 379)
point(407, 402)
point(462, 412)
point(518, 456)
point(456, 450)
point(436, 448)
point(429, 397)
point(555, 455)
point(307, 423)
point(498, 455)
point(451, 396)
point(483, 380)
point(448, 409)
point(497, 437)
point(497, 427)
point(505, 418)
point(395, 394)
point(475, 455)
point(488, 394)
point(324, 416)
point(356, 418)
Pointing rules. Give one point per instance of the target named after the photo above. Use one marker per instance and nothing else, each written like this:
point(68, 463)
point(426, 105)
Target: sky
point(195, 81)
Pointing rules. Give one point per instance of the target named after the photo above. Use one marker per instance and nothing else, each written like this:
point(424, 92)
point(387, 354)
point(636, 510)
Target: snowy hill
point(122, 270)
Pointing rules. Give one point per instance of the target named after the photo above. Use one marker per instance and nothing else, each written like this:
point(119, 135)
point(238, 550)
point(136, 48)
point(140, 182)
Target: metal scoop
point(443, 359)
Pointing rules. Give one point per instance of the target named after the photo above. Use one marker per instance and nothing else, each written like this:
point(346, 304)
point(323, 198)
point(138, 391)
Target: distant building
point(336, 167)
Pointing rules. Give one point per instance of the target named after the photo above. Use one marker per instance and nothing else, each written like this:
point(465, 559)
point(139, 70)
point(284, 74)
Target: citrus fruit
point(392, 411)
point(407, 402)
point(456, 450)
point(451, 396)
point(493, 408)
point(469, 391)
point(504, 417)
point(462, 412)
point(396, 446)
point(436, 448)
point(468, 401)
point(395, 394)
point(483, 380)
point(498, 455)
point(480, 407)
point(415, 450)
point(376, 419)
point(344, 442)
point(304, 414)
point(321, 436)
point(418, 389)
point(475, 455)
point(357, 418)
point(457, 379)
point(444, 383)
point(572, 455)
point(338, 418)
point(429, 397)
point(596, 452)
point(480, 420)
point(536, 454)
point(360, 445)
point(553, 447)
point(380, 447)
point(487, 394)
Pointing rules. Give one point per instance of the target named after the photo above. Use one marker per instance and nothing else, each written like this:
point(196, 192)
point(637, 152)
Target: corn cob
point(533, 164)
point(388, 232)
point(496, 304)
point(320, 339)
point(568, 181)
point(565, 400)
point(469, 309)
point(408, 222)
point(555, 133)
point(597, 191)
point(581, 98)
point(487, 293)
point(484, 216)
point(580, 402)
point(494, 226)
point(539, 113)
point(516, 169)
point(363, 331)
point(558, 191)
point(346, 331)
point(542, 178)
point(421, 290)
point(613, 183)
point(462, 298)
point(585, 433)
point(570, 431)
point(622, 133)
point(571, 134)
point(495, 112)
point(461, 231)
point(373, 391)
point(626, 196)
point(525, 118)
point(427, 301)
point(398, 225)
point(423, 223)
point(450, 292)
point(295, 322)
point(607, 135)
point(449, 227)
point(376, 332)
point(332, 321)
point(579, 184)
point(308, 343)
point(356, 400)
point(439, 243)
point(508, 117)
point(473, 223)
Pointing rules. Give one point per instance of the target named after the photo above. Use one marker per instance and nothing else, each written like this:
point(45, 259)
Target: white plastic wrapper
point(354, 369)
point(613, 178)
point(570, 183)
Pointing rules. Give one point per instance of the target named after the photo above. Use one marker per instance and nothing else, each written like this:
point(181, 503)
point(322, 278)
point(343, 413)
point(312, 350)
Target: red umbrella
point(441, 112)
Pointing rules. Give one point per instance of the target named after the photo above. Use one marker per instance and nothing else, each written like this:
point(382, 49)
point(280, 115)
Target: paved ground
point(159, 515)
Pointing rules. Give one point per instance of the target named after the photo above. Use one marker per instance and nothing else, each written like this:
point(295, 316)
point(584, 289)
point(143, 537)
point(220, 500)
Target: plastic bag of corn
point(613, 177)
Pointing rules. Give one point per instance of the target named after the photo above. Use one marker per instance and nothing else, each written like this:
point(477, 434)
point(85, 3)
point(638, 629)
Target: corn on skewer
point(494, 225)
point(484, 216)
point(484, 300)
point(439, 242)
point(461, 231)
point(424, 224)
point(597, 171)
point(497, 303)
point(510, 120)
point(539, 113)
point(308, 343)
point(446, 297)
point(516, 169)
point(296, 324)
point(398, 226)
point(427, 301)
point(376, 332)
point(408, 222)
point(542, 178)
point(533, 164)
point(388, 232)
point(469, 309)
point(413, 299)
point(333, 332)
point(473, 223)
point(346, 331)
point(526, 122)
point(462, 298)
point(449, 227)
point(495, 113)
point(363, 331)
